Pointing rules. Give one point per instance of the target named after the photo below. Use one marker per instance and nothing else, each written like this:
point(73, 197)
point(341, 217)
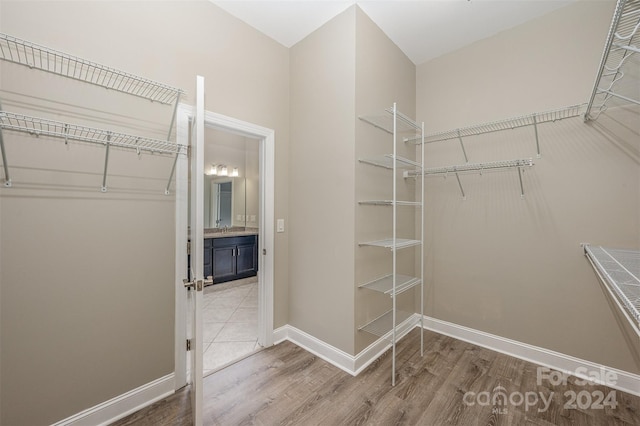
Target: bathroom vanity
point(230, 255)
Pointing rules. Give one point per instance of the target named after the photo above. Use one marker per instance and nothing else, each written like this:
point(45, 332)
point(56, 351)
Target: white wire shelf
point(384, 323)
point(385, 122)
point(41, 126)
point(72, 132)
point(390, 203)
point(622, 44)
point(32, 55)
point(506, 124)
point(385, 284)
point(456, 171)
point(474, 167)
point(387, 161)
point(620, 271)
point(400, 243)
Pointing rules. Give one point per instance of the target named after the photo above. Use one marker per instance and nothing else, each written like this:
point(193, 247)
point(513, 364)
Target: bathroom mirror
point(230, 201)
point(224, 202)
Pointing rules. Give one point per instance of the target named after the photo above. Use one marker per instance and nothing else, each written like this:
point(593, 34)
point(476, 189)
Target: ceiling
point(422, 29)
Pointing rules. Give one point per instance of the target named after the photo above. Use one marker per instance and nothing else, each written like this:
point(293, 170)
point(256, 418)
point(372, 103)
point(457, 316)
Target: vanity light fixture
point(223, 171)
point(234, 172)
point(213, 170)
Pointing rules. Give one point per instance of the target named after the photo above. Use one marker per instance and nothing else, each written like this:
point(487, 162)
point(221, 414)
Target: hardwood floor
point(454, 383)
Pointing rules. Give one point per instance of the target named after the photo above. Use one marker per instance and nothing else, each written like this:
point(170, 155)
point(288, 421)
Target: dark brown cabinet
point(231, 258)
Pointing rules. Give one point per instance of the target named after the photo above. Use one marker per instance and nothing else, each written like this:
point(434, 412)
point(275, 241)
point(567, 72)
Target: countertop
point(233, 232)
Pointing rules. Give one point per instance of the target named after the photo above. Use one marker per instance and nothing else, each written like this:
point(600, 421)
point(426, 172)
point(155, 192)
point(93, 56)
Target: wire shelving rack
point(393, 284)
point(39, 57)
point(617, 75)
point(619, 270)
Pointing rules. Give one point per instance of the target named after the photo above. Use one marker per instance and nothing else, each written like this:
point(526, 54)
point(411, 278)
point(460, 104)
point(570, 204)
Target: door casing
point(266, 138)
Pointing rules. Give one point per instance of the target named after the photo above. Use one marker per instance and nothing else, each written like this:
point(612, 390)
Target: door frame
point(266, 231)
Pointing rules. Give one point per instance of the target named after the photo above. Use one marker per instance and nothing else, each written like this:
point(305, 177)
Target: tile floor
point(230, 323)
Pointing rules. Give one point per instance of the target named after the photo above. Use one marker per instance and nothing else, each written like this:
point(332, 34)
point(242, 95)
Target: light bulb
point(234, 172)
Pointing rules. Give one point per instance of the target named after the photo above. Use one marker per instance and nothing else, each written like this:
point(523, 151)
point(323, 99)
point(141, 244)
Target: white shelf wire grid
point(400, 243)
point(385, 122)
point(506, 124)
point(385, 284)
point(390, 203)
point(621, 272)
point(386, 161)
point(474, 167)
point(384, 323)
point(41, 126)
point(32, 55)
point(617, 64)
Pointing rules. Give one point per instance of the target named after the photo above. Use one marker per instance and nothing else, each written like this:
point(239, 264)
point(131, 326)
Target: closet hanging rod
point(41, 126)
point(473, 167)
point(33, 55)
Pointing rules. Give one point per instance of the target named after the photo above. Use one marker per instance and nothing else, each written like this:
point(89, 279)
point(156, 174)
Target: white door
point(197, 261)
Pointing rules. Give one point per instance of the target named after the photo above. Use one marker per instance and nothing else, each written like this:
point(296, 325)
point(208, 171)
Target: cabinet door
point(224, 263)
point(207, 268)
point(247, 257)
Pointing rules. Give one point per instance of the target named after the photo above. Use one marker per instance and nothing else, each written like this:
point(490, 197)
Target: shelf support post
point(466, 159)
point(464, 197)
point(521, 186)
point(7, 178)
point(173, 117)
point(173, 170)
point(535, 129)
point(106, 164)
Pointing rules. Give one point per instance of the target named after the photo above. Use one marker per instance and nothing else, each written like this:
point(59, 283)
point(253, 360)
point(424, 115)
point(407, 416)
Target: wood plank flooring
point(286, 385)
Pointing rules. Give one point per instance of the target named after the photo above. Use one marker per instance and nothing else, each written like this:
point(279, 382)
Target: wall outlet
point(280, 225)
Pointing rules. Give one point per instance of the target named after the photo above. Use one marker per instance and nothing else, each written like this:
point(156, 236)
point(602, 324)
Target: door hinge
point(264, 252)
point(188, 247)
point(188, 344)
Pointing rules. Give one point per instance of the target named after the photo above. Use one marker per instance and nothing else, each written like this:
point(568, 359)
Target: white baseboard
point(625, 381)
point(344, 361)
point(123, 405)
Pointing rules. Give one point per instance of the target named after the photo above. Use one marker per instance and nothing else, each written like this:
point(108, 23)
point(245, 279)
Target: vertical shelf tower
point(386, 325)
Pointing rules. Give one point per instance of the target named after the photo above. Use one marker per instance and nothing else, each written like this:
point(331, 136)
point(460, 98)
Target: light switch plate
point(280, 225)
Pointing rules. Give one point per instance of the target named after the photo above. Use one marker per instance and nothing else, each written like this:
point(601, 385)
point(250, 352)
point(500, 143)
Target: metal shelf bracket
point(106, 163)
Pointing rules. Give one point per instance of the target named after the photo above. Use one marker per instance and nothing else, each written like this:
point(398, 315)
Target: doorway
point(264, 220)
point(231, 205)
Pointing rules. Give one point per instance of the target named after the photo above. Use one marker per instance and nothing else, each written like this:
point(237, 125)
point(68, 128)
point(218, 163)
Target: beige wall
point(87, 278)
point(514, 267)
point(384, 75)
point(320, 228)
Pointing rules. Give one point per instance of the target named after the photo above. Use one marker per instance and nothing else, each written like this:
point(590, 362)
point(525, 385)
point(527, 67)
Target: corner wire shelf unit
point(507, 124)
point(519, 164)
point(36, 56)
point(393, 284)
point(617, 75)
point(619, 270)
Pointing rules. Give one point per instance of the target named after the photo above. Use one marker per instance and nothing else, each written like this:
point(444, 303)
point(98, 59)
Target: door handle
point(195, 285)
point(209, 280)
point(189, 284)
